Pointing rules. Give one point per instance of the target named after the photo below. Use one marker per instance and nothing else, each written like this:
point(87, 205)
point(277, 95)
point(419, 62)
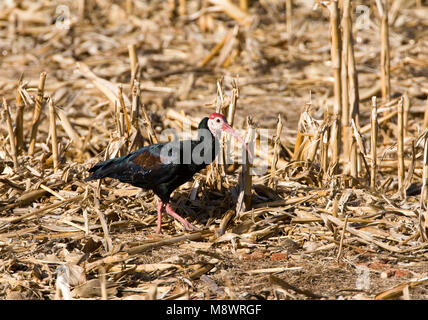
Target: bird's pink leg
point(160, 208)
point(187, 225)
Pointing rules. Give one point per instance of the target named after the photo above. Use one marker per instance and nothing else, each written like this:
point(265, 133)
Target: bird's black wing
point(145, 167)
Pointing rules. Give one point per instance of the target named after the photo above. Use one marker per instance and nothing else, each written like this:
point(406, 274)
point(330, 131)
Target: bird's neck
point(207, 145)
point(208, 142)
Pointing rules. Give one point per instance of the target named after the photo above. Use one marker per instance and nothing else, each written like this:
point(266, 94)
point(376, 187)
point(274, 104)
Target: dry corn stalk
point(106, 87)
point(231, 118)
point(108, 244)
point(384, 53)
point(424, 188)
point(374, 138)
point(324, 149)
point(119, 124)
point(232, 105)
point(423, 204)
point(6, 114)
point(289, 15)
point(19, 120)
point(36, 115)
point(135, 106)
point(400, 146)
point(52, 127)
point(243, 4)
point(336, 64)
point(354, 159)
point(230, 49)
point(342, 237)
point(354, 96)
point(406, 106)
point(218, 166)
point(148, 126)
point(133, 59)
point(214, 51)
point(124, 113)
point(68, 128)
point(182, 8)
point(316, 141)
point(81, 5)
point(307, 130)
point(246, 181)
point(346, 38)
point(382, 120)
point(276, 149)
point(358, 145)
point(299, 141)
point(425, 125)
point(234, 12)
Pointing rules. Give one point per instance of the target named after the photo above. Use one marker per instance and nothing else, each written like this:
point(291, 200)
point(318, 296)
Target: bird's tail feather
point(104, 169)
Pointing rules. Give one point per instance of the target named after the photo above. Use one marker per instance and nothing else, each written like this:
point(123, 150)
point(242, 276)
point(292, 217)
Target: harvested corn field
point(330, 96)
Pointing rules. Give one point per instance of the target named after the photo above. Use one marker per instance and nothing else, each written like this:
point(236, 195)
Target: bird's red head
point(217, 115)
point(217, 123)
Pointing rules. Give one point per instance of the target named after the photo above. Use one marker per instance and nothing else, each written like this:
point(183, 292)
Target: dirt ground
point(60, 235)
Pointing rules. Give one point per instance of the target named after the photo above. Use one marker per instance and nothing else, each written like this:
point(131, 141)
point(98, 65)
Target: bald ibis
point(163, 167)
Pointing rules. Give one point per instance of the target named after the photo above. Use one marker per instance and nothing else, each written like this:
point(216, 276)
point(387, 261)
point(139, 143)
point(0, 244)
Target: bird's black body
point(148, 168)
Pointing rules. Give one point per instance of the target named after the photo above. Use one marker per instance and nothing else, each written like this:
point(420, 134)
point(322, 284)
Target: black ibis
point(163, 167)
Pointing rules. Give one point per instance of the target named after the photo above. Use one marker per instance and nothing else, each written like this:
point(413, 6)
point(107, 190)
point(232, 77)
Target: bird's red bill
point(229, 130)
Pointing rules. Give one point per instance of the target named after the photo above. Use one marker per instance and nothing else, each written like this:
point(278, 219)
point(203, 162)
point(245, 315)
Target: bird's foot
point(187, 225)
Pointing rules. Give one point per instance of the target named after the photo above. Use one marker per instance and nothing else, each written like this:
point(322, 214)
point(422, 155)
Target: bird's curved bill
point(229, 130)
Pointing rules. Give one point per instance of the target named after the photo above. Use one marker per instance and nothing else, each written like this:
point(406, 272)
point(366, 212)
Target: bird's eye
point(217, 120)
